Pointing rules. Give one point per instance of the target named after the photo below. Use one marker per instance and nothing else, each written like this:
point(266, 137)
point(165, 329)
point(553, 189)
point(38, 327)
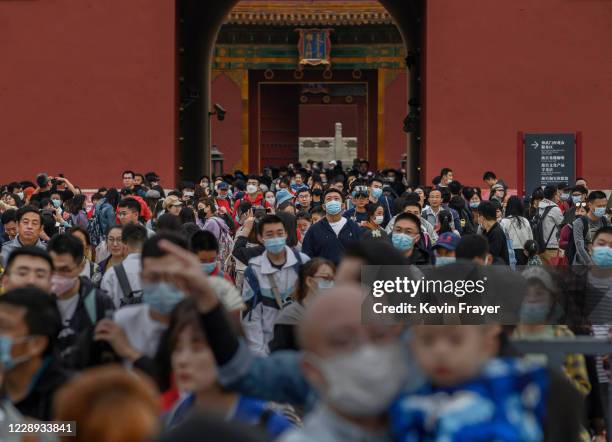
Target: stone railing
point(322, 149)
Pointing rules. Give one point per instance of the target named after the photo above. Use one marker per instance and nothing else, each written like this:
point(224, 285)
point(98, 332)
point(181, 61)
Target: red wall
point(87, 89)
point(319, 120)
point(226, 134)
point(496, 67)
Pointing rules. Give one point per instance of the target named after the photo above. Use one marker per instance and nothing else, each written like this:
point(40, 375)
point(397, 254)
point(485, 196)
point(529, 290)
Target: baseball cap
point(222, 186)
point(448, 241)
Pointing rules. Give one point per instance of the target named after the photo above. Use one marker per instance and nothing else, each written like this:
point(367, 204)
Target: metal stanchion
point(557, 348)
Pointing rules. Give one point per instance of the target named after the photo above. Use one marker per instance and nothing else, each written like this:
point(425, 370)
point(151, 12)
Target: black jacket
point(498, 247)
point(421, 256)
point(76, 337)
point(321, 240)
point(285, 328)
point(243, 253)
point(38, 403)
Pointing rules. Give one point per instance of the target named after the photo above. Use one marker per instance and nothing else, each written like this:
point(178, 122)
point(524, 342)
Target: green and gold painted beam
point(388, 56)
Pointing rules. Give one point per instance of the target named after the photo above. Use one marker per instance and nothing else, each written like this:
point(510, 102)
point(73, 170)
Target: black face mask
point(317, 192)
point(201, 213)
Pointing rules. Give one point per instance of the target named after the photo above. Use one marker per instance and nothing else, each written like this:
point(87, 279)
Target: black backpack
point(130, 296)
point(537, 227)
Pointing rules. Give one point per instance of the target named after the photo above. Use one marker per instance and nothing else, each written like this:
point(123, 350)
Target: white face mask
point(251, 188)
point(365, 381)
point(379, 219)
point(271, 200)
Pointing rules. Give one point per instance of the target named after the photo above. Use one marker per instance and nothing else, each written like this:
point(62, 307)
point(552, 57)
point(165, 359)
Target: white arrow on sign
point(535, 145)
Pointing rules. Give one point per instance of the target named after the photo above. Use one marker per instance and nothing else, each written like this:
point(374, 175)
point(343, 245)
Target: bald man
point(356, 370)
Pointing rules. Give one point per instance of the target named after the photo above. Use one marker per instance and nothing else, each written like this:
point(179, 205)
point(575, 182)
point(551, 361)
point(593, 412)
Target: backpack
point(537, 227)
point(571, 250)
point(226, 245)
point(467, 226)
point(249, 275)
point(94, 229)
point(128, 294)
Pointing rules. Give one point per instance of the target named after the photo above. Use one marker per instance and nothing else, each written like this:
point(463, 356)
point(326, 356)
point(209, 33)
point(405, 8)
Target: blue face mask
point(333, 207)
point(56, 203)
point(602, 256)
point(323, 284)
point(576, 199)
point(402, 242)
point(565, 196)
point(209, 267)
point(162, 296)
point(376, 192)
point(534, 313)
point(275, 245)
point(6, 358)
point(474, 205)
point(444, 260)
point(599, 212)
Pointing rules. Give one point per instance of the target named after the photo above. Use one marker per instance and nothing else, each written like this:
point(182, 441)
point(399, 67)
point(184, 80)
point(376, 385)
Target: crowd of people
point(141, 312)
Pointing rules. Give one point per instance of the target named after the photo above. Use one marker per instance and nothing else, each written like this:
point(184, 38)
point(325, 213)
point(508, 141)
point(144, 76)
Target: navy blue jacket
point(321, 241)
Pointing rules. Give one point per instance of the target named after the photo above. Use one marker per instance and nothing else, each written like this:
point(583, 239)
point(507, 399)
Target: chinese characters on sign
point(314, 47)
point(549, 159)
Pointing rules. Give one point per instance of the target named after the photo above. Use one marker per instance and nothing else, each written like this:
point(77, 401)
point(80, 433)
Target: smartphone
point(259, 212)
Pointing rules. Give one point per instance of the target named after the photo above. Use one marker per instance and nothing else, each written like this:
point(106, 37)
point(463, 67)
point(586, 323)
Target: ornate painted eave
point(309, 13)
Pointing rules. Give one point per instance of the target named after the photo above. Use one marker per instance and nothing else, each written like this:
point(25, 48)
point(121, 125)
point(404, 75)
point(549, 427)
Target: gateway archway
point(199, 25)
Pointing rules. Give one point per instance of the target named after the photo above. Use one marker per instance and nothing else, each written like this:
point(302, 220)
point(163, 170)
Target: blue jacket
point(321, 241)
point(506, 402)
point(248, 410)
point(277, 377)
point(107, 215)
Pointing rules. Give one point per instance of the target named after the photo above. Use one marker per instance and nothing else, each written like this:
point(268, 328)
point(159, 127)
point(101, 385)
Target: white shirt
point(67, 307)
point(110, 282)
point(338, 225)
point(142, 331)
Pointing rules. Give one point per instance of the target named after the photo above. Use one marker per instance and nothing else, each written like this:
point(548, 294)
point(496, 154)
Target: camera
point(219, 112)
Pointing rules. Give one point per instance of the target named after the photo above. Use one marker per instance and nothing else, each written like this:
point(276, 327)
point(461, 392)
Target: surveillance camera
point(220, 112)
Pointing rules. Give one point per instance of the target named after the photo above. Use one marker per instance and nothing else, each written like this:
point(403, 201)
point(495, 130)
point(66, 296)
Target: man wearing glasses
point(29, 228)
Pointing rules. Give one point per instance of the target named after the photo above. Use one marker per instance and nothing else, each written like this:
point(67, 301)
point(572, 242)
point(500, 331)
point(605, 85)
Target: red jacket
point(259, 201)
point(225, 203)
